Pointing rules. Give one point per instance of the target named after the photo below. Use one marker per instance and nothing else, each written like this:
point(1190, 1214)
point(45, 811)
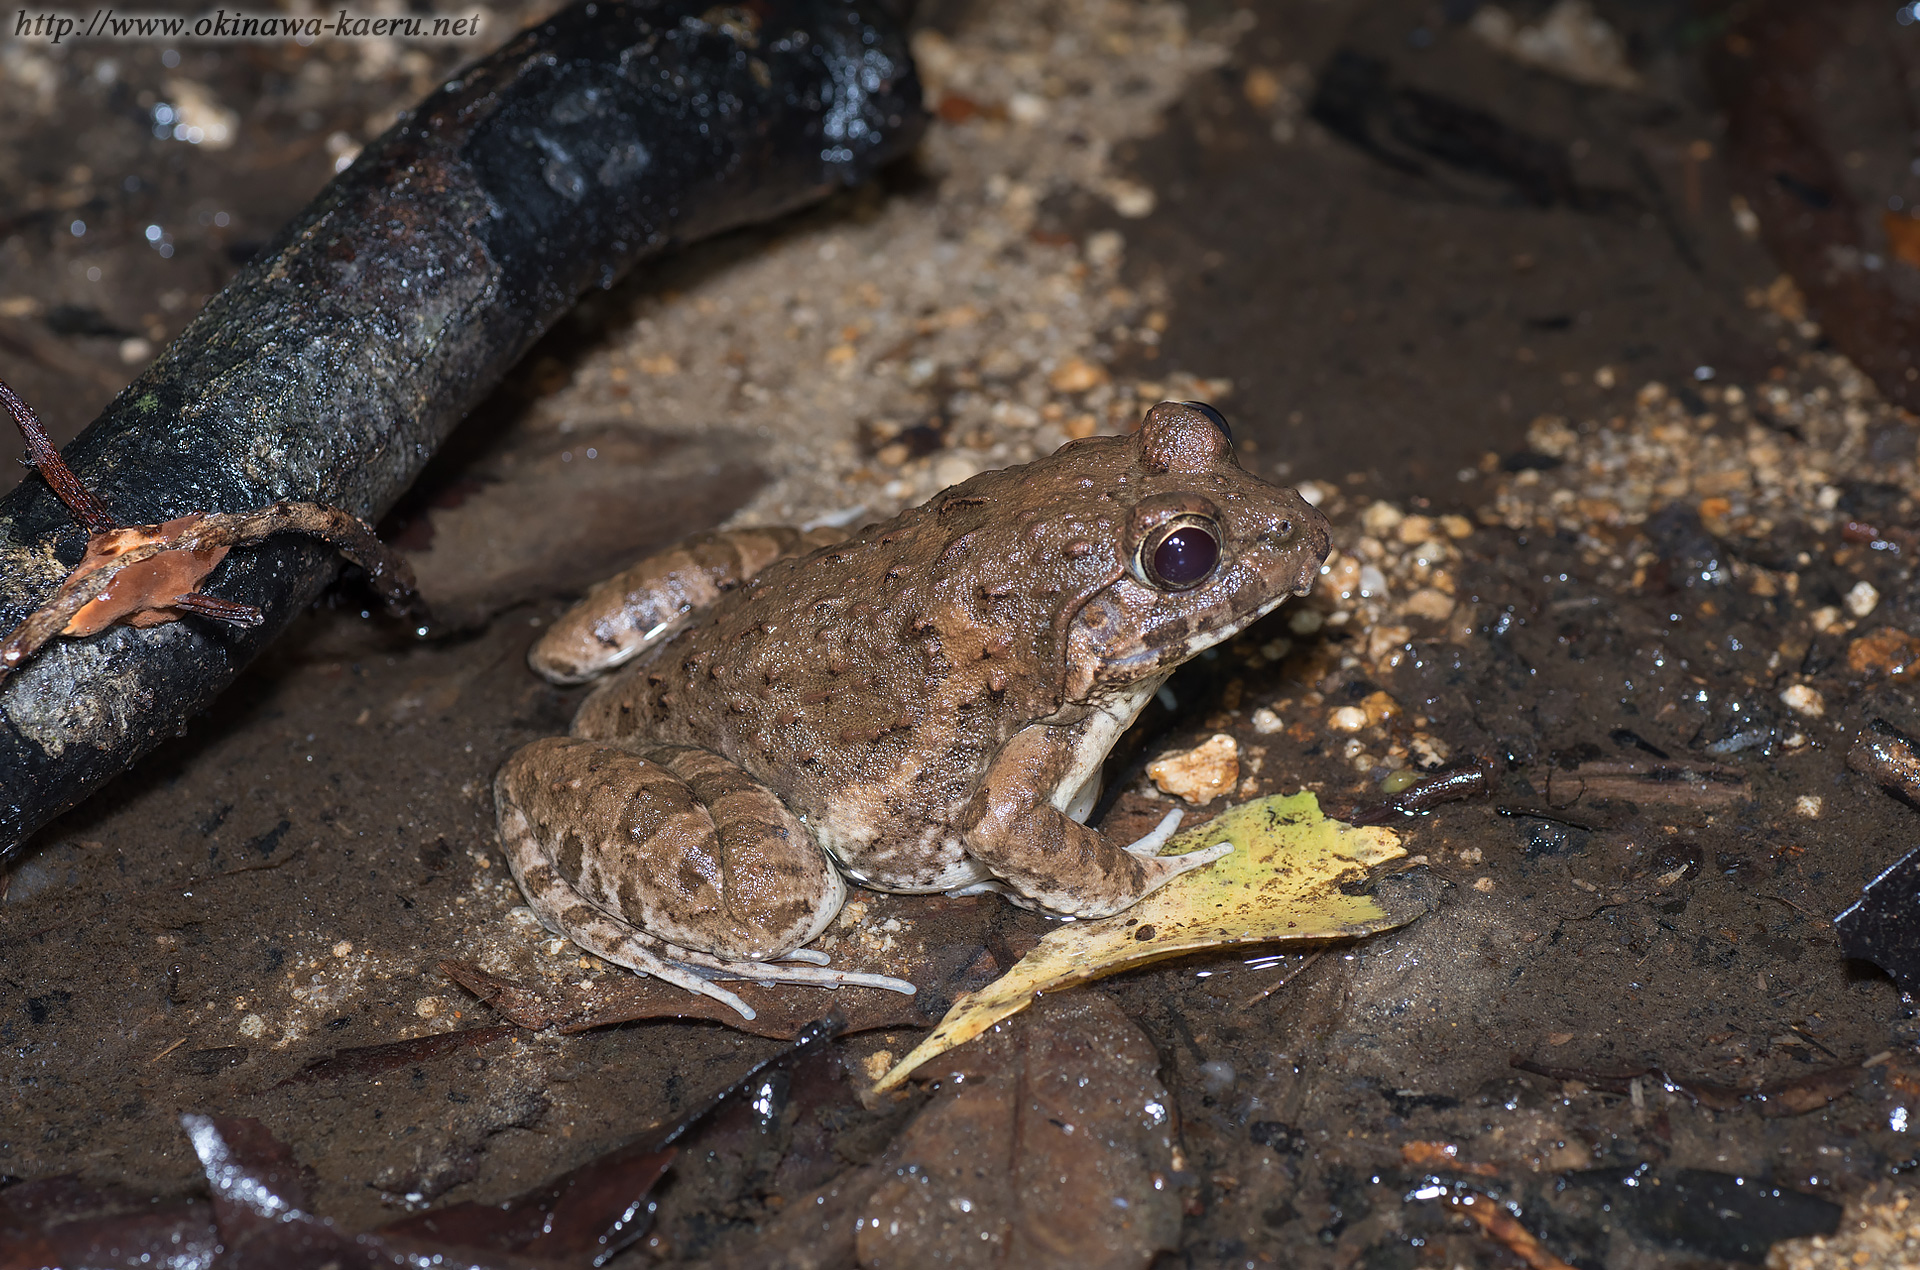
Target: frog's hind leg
point(563, 912)
point(632, 611)
point(671, 861)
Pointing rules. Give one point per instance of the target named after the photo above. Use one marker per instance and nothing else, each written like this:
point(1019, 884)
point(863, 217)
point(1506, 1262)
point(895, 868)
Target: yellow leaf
point(1280, 884)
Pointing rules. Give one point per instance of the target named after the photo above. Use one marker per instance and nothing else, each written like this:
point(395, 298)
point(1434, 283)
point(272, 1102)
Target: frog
point(922, 706)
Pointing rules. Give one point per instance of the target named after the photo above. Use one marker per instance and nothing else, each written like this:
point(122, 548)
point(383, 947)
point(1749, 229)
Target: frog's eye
point(1214, 416)
point(1180, 553)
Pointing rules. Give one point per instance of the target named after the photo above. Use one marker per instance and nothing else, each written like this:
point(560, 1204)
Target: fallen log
point(331, 366)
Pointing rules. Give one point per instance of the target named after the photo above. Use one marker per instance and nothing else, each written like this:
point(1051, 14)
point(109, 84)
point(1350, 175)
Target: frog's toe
point(1150, 844)
point(812, 957)
point(641, 960)
point(990, 886)
point(813, 976)
point(1202, 858)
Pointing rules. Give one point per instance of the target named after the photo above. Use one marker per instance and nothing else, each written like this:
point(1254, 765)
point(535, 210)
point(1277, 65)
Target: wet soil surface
point(1627, 1021)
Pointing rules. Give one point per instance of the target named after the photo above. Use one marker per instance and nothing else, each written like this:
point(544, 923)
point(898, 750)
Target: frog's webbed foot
point(814, 975)
point(986, 886)
point(642, 960)
point(562, 911)
point(1157, 837)
point(1197, 859)
point(1150, 846)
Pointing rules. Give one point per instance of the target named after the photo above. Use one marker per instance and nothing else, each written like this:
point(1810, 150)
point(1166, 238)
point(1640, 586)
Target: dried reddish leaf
point(1505, 1228)
point(362, 1061)
point(1442, 1156)
point(142, 593)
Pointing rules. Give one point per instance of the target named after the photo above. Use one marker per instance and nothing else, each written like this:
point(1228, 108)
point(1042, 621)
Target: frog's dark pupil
point(1185, 556)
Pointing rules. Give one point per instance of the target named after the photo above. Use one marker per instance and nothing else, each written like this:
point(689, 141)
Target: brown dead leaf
point(1048, 1146)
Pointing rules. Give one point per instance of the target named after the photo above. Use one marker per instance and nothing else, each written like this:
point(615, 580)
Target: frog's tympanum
point(925, 705)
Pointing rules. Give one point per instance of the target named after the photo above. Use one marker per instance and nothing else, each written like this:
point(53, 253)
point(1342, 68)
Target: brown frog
point(925, 704)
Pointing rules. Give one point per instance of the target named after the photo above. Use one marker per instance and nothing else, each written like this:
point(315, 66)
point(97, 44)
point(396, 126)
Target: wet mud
point(1655, 608)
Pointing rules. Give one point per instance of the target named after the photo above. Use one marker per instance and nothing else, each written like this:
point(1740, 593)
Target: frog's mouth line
point(1221, 635)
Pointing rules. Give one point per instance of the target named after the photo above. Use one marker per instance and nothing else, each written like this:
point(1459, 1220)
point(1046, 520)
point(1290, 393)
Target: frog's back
point(888, 668)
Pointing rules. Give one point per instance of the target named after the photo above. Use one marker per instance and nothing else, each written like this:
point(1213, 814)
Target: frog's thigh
point(676, 842)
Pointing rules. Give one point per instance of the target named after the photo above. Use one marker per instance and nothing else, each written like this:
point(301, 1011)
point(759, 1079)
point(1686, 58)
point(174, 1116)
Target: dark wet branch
point(332, 366)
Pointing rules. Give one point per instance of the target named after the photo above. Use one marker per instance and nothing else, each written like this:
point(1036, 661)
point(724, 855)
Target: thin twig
point(81, 501)
point(1288, 978)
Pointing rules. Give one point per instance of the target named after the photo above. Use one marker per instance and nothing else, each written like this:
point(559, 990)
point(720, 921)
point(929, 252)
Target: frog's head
point(1206, 548)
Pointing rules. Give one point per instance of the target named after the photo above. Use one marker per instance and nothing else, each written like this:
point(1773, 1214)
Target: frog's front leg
point(1014, 828)
point(632, 611)
point(670, 861)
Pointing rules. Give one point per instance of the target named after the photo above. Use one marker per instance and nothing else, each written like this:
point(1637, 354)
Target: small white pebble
point(1027, 108)
point(1347, 719)
point(1808, 805)
point(1483, 885)
point(1862, 599)
point(1801, 699)
point(1827, 620)
point(1201, 774)
point(343, 948)
point(253, 1026)
point(1472, 855)
point(1266, 722)
point(1379, 519)
point(428, 1007)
